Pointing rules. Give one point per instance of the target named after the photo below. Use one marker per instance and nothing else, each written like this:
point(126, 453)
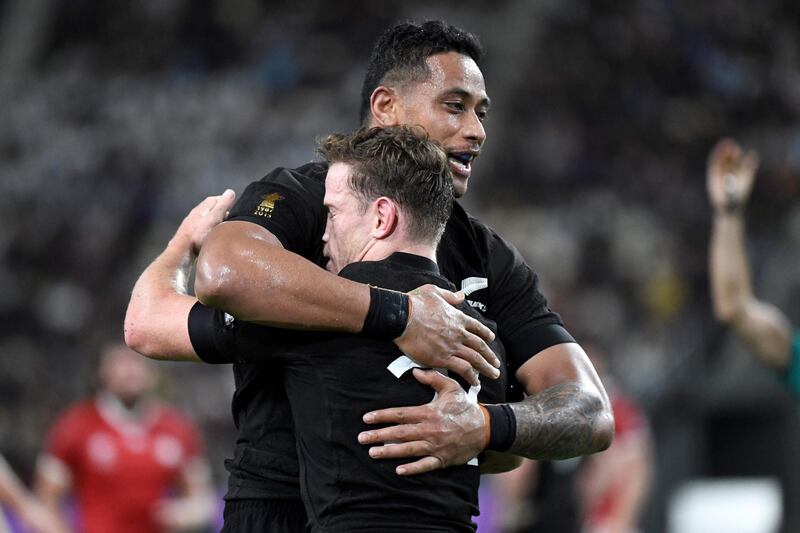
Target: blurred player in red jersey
point(135, 465)
point(613, 485)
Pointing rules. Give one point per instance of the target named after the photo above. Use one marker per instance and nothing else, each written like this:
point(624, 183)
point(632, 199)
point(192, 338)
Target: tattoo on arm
point(560, 422)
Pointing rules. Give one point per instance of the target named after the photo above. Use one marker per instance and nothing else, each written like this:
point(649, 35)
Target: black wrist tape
point(733, 207)
point(388, 314)
point(502, 427)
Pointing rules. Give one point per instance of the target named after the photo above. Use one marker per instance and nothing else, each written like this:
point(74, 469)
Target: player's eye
point(455, 106)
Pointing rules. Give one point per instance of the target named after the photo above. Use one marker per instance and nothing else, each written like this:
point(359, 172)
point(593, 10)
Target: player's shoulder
point(480, 229)
point(81, 409)
point(313, 171)
point(487, 240)
point(80, 414)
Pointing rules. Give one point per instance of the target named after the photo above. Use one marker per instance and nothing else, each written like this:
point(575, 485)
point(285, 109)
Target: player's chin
point(460, 185)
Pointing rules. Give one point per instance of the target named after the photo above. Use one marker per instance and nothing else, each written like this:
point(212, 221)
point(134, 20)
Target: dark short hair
point(402, 164)
point(399, 55)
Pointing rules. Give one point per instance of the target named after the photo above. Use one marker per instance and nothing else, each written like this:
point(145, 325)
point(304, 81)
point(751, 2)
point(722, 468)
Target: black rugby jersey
point(498, 282)
point(288, 203)
point(332, 379)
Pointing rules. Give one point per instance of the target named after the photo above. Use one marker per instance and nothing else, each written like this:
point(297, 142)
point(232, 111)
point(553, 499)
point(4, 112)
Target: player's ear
point(385, 218)
point(384, 106)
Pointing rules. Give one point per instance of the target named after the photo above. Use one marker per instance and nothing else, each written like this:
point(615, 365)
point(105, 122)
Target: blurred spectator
point(133, 464)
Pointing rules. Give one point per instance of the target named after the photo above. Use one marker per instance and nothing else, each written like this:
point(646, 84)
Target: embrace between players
point(372, 212)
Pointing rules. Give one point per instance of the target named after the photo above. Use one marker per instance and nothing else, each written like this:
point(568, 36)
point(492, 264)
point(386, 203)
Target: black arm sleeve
point(206, 326)
point(218, 338)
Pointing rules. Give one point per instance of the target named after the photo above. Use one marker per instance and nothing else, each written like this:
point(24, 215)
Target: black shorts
point(264, 516)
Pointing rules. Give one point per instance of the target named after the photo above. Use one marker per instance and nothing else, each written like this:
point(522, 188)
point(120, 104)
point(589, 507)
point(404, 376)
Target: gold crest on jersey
point(267, 205)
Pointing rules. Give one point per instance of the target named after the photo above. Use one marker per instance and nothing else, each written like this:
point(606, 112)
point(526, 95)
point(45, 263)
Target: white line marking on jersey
point(404, 363)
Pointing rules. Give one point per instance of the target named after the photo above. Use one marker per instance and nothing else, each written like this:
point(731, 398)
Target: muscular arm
point(760, 324)
point(566, 412)
point(156, 321)
point(244, 269)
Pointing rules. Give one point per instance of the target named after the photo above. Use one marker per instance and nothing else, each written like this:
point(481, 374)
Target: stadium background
point(116, 117)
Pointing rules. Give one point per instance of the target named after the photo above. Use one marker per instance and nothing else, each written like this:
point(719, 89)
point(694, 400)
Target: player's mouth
point(327, 259)
point(461, 163)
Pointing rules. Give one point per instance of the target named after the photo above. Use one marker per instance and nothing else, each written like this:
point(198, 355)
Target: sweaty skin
point(243, 269)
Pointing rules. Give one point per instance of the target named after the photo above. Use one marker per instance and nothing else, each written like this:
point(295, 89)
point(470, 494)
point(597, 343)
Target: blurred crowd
point(117, 117)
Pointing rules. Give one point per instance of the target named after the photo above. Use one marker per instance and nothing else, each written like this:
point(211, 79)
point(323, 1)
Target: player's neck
point(131, 410)
point(382, 249)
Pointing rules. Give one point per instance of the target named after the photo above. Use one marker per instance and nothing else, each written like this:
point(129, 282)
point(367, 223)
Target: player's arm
point(25, 505)
point(566, 413)
point(195, 507)
point(244, 268)
point(156, 322)
point(761, 325)
point(52, 484)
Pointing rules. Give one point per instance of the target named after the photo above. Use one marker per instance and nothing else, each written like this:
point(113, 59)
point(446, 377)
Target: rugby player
point(258, 267)
point(389, 194)
point(132, 463)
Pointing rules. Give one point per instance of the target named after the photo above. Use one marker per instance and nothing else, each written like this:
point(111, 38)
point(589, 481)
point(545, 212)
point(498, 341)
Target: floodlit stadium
point(117, 118)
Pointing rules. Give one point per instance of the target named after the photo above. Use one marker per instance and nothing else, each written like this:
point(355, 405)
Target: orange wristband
point(487, 428)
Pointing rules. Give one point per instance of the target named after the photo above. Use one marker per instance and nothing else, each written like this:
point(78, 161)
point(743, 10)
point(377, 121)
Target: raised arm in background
point(765, 329)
